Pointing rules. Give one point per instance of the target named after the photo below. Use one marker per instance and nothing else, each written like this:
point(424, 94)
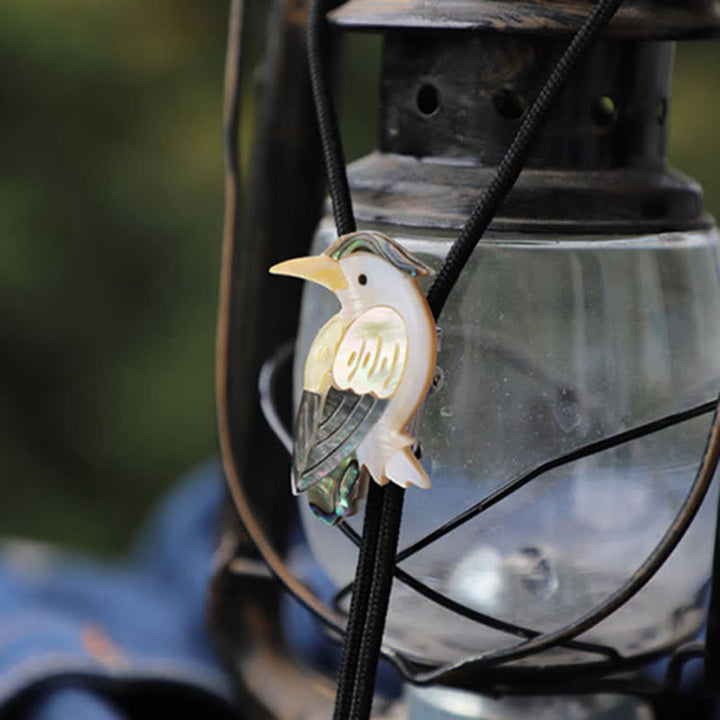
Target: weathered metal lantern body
point(591, 307)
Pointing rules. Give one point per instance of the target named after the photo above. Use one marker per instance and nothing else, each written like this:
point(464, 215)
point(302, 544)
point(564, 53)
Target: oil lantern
point(562, 564)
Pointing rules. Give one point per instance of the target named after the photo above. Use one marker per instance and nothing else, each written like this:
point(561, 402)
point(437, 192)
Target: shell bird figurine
point(367, 372)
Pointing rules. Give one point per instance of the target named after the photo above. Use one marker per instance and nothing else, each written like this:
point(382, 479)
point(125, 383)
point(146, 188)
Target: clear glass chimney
point(549, 343)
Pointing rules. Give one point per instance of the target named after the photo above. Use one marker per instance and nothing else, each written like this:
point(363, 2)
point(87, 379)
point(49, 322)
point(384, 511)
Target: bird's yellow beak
point(319, 269)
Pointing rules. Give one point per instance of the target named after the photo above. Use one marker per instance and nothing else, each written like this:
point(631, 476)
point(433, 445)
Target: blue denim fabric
point(67, 703)
point(81, 639)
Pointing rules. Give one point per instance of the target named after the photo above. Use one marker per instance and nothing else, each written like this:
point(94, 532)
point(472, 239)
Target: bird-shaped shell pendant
point(367, 372)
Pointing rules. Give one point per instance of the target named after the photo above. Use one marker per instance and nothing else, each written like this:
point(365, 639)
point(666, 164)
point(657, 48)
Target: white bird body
point(343, 344)
point(378, 350)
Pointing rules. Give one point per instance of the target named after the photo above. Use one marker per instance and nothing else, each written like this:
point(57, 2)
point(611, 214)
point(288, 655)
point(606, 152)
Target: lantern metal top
point(646, 19)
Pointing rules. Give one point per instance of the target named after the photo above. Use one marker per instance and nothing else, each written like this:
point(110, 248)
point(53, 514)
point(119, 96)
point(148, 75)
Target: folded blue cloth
point(89, 640)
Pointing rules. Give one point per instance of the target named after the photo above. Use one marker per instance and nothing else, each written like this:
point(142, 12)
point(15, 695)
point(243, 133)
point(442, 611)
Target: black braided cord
point(327, 121)
point(377, 607)
point(361, 601)
point(514, 159)
point(376, 560)
point(333, 155)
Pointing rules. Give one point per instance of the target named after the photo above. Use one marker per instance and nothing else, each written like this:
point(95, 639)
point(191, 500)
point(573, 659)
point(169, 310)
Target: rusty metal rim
point(401, 190)
point(551, 17)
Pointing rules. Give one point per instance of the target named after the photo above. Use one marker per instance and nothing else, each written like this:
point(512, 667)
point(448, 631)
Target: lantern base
point(437, 703)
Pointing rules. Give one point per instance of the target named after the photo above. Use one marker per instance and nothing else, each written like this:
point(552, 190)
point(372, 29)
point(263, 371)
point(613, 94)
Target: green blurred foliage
point(110, 222)
point(695, 117)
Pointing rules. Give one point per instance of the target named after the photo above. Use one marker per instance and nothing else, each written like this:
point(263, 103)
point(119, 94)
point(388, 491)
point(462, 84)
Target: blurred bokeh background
point(110, 222)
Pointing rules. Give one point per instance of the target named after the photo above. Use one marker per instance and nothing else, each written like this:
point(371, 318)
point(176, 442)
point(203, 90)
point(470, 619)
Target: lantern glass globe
point(548, 343)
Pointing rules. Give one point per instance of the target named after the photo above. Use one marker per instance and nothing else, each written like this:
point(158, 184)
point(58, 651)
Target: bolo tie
point(377, 561)
point(384, 504)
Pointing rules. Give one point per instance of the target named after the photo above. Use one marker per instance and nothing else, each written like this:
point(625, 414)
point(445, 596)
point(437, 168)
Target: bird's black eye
point(362, 279)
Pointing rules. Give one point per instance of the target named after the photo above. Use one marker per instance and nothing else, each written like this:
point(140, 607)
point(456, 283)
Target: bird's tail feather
point(404, 469)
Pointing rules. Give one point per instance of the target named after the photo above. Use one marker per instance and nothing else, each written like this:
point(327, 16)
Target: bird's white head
point(363, 269)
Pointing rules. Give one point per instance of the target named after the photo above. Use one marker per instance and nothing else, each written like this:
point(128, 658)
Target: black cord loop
point(376, 559)
point(330, 140)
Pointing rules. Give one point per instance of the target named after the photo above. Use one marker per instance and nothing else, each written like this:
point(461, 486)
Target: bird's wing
point(328, 430)
point(333, 420)
point(372, 354)
point(320, 357)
